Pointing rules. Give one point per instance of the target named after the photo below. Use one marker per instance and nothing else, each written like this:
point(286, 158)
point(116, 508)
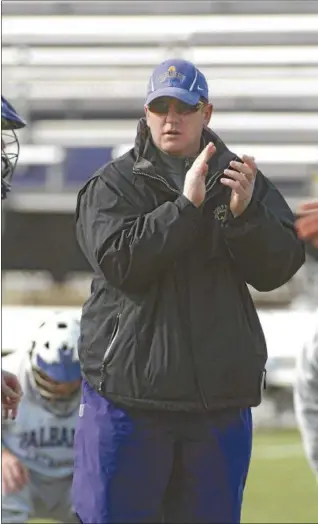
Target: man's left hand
point(241, 181)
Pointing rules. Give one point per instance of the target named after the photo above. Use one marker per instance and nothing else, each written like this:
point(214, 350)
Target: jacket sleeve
point(306, 398)
point(129, 248)
point(263, 241)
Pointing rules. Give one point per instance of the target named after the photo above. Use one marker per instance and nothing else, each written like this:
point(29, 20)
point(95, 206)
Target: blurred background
point(78, 72)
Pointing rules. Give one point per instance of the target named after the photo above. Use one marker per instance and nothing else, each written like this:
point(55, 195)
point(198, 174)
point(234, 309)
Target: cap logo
point(171, 73)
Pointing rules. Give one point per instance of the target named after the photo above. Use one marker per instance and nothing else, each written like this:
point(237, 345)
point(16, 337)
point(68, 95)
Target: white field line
point(276, 452)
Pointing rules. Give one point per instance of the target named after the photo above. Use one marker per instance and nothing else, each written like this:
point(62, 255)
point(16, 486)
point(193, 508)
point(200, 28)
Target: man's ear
point(207, 113)
point(146, 112)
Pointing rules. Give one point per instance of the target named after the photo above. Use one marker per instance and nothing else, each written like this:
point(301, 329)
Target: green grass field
point(281, 488)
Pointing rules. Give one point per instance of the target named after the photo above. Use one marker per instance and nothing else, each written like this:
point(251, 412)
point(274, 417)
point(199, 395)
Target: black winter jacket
point(170, 323)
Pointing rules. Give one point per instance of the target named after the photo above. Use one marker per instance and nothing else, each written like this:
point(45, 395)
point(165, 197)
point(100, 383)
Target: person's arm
point(263, 241)
point(306, 398)
point(132, 250)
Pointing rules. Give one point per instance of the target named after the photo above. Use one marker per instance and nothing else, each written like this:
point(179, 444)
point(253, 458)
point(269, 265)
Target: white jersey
point(306, 395)
point(41, 440)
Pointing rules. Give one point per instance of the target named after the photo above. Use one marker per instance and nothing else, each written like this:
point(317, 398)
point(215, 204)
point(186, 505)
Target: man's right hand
point(14, 474)
point(194, 184)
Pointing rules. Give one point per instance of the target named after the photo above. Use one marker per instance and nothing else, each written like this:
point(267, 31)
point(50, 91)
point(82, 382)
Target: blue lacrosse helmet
point(10, 121)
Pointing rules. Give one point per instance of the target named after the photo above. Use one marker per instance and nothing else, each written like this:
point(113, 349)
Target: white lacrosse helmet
point(54, 356)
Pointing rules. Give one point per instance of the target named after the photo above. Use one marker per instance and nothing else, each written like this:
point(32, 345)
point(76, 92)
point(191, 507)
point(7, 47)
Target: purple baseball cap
point(178, 79)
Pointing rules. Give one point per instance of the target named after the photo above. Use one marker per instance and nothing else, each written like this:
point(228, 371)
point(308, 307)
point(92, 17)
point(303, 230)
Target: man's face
point(176, 127)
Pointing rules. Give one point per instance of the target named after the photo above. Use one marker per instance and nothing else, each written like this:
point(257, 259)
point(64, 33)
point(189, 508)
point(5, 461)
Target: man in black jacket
point(172, 351)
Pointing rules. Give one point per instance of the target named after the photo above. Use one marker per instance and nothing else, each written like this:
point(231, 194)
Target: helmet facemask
point(10, 122)
point(10, 149)
point(54, 390)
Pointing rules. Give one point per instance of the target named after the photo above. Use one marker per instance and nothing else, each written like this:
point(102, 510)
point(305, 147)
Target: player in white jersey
point(37, 448)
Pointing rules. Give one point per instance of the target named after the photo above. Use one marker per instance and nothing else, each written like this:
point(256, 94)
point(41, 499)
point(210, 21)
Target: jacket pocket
point(108, 353)
point(110, 347)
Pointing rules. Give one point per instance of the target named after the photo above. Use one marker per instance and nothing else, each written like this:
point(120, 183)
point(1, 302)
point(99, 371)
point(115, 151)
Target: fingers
point(10, 386)
point(240, 180)
point(10, 406)
point(14, 476)
point(236, 186)
point(10, 412)
point(250, 162)
point(16, 387)
point(205, 154)
point(10, 400)
point(14, 412)
point(194, 185)
point(241, 175)
point(12, 381)
point(307, 208)
point(9, 395)
point(307, 226)
point(248, 168)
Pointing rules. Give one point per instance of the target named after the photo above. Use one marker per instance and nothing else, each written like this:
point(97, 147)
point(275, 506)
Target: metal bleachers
point(79, 70)
point(148, 7)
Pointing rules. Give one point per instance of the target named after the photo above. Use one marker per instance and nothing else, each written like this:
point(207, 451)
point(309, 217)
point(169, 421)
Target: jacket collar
point(145, 151)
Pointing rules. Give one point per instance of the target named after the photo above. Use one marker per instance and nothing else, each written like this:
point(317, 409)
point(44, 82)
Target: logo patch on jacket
point(220, 212)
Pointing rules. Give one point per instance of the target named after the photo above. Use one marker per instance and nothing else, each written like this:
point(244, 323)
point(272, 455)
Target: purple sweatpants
point(137, 466)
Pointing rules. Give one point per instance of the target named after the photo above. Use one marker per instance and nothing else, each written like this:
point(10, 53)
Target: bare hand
point(307, 223)
point(194, 185)
point(11, 394)
point(14, 474)
point(242, 183)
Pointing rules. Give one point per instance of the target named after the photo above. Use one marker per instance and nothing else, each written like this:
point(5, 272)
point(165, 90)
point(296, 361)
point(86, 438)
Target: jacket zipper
point(196, 378)
point(209, 186)
point(107, 352)
point(197, 382)
point(156, 177)
point(163, 181)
